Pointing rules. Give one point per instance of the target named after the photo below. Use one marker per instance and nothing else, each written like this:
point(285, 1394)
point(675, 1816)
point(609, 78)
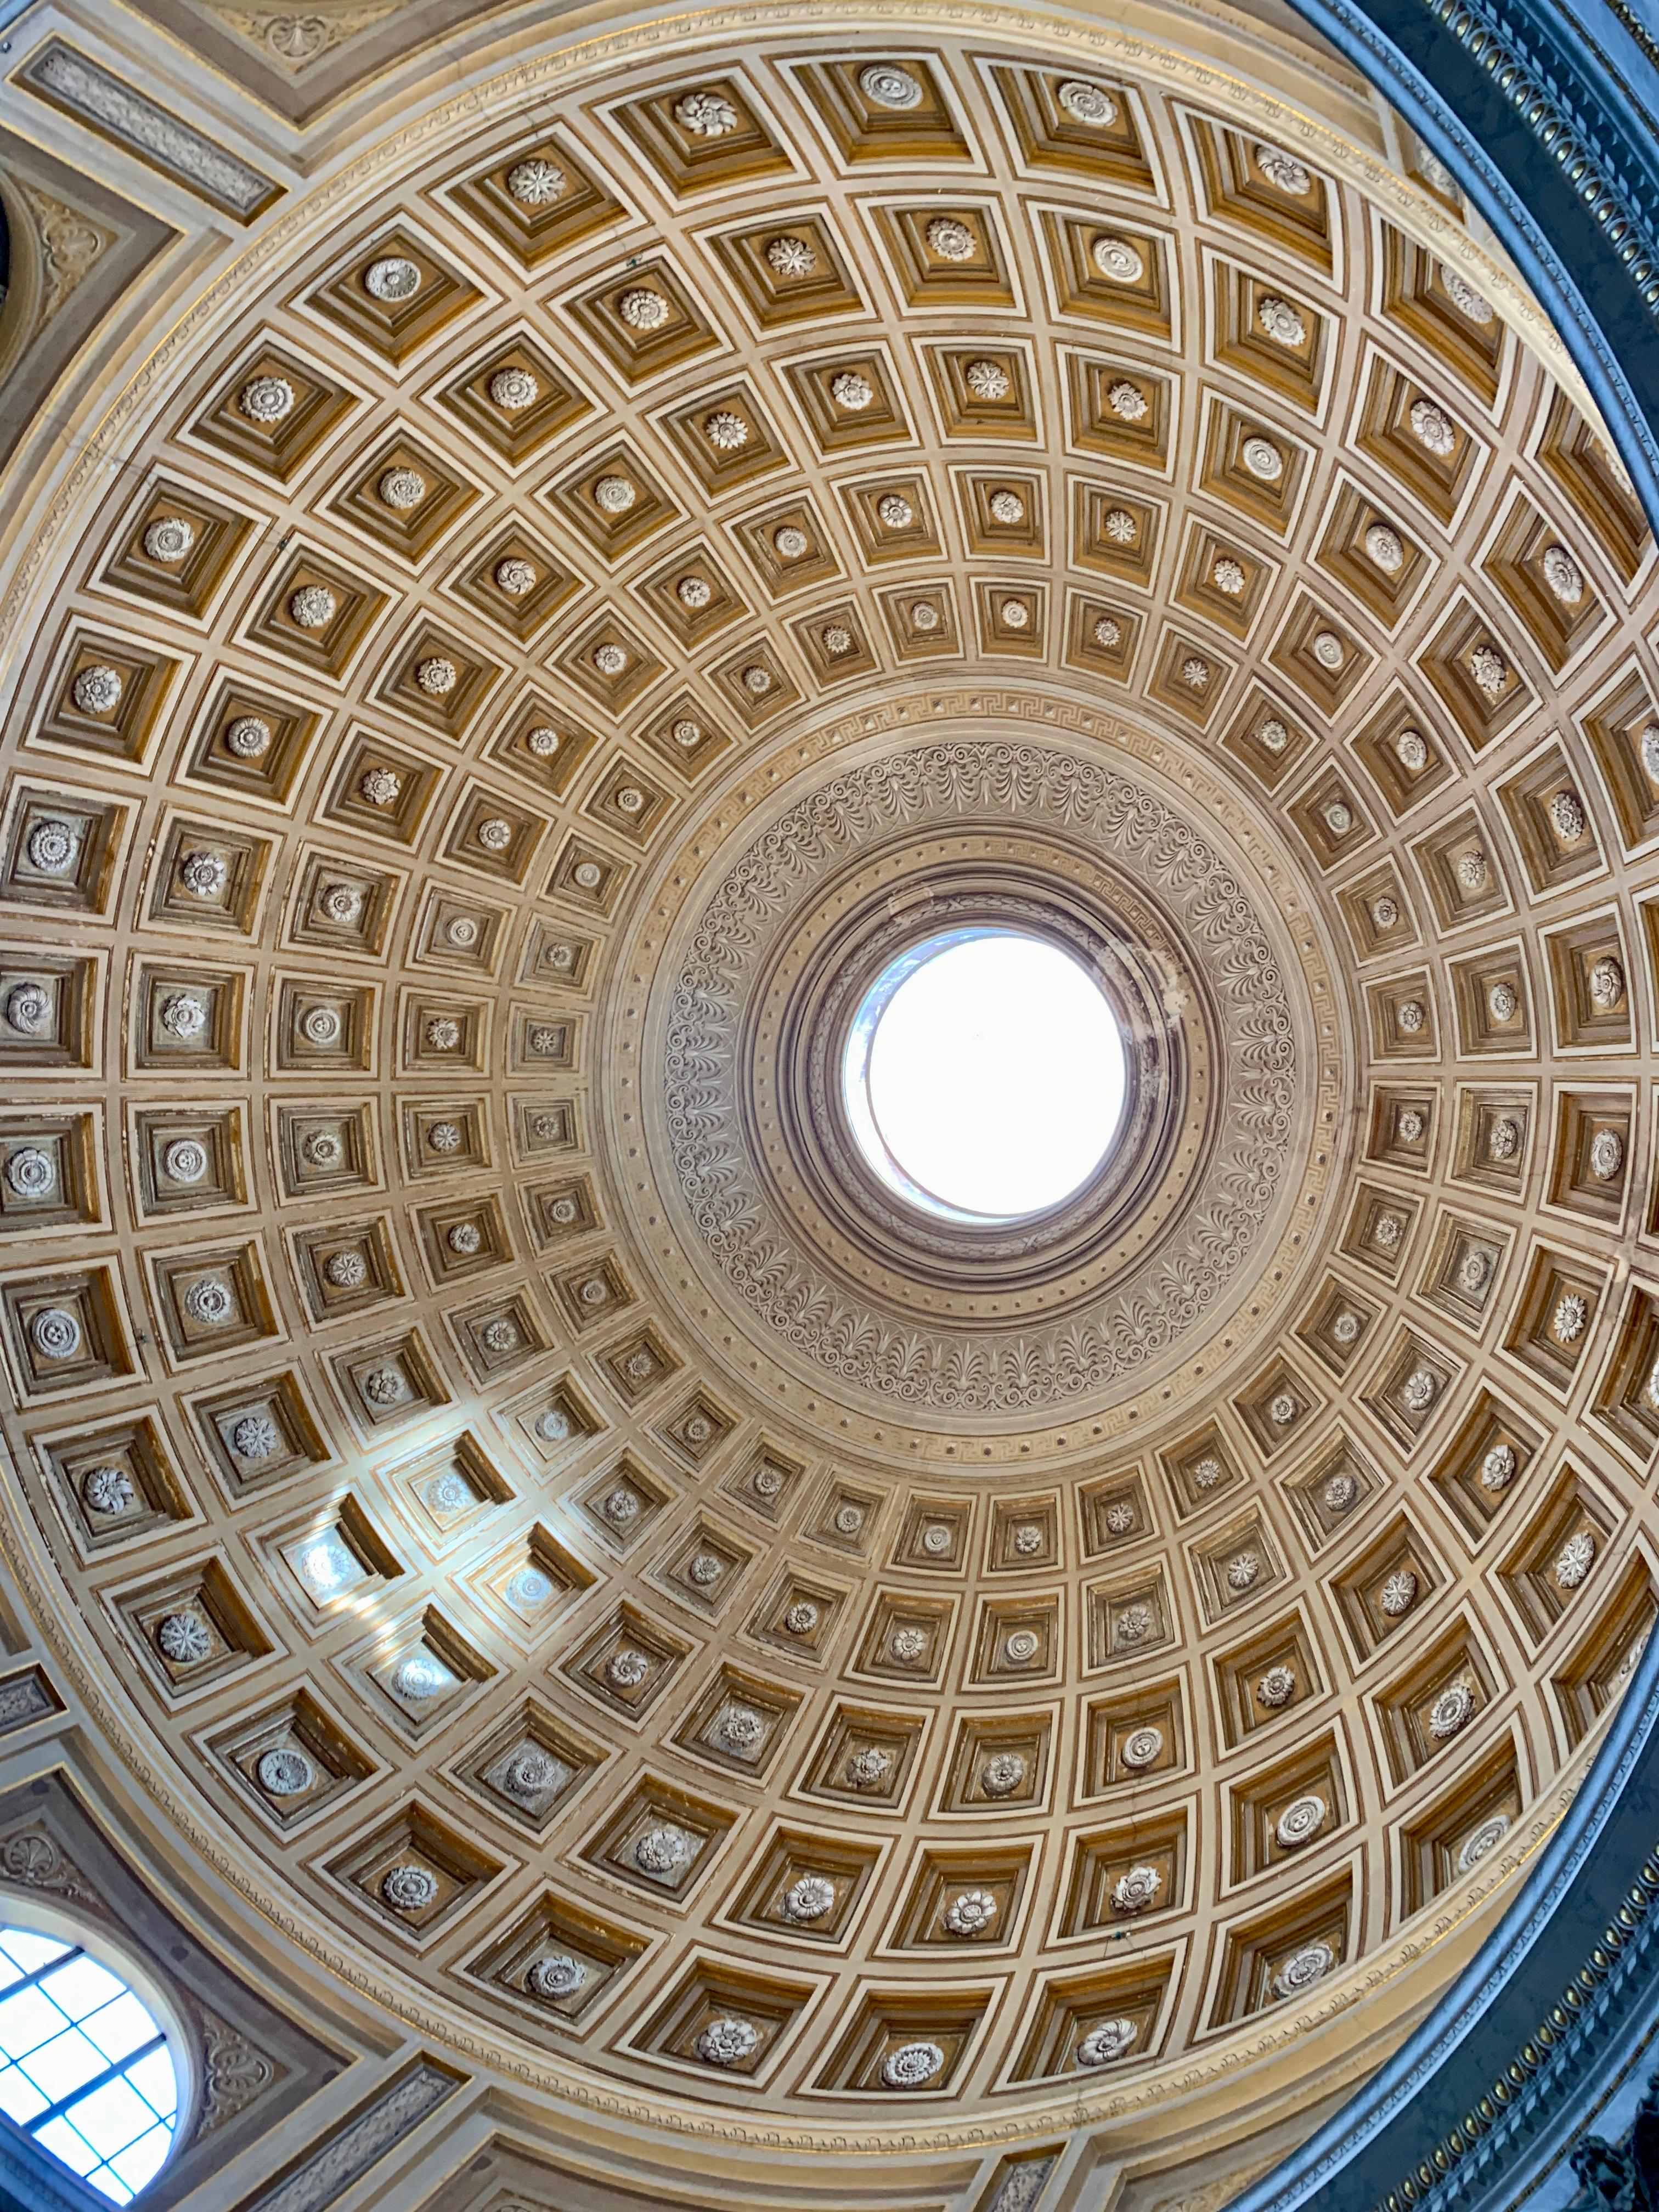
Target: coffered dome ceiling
point(616, 567)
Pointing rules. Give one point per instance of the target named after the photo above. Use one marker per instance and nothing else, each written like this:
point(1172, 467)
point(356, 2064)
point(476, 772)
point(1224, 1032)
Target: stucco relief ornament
point(1015, 614)
point(1243, 1571)
point(1648, 746)
point(767, 1481)
point(1301, 1821)
point(1571, 1313)
point(556, 1974)
point(1007, 505)
point(313, 606)
point(757, 680)
point(1489, 671)
point(662, 1850)
point(971, 1913)
point(808, 1898)
point(1607, 983)
point(1142, 1746)
point(342, 904)
point(52, 846)
point(1196, 671)
point(1577, 1557)
point(1504, 1139)
point(609, 659)
point(1607, 1155)
point(1091, 105)
point(1502, 1003)
point(1108, 633)
point(28, 1009)
point(727, 2042)
point(642, 309)
point(789, 256)
point(1412, 751)
point(1228, 576)
point(1277, 1687)
point(884, 84)
point(741, 1729)
point(1432, 427)
point(1262, 459)
point(706, 114)
point(894, 511)
point(1303, 1969)
point(1120, 525)
point(1563, 574)
point(256, 1437)
point(907, 1645)
point(409, 1888)
point(1387, 1231)
point(209, 1302)
point(1385, 912)
point(950, 240)
point(1283, 1410)
point(444, 1137)
point(1021, 1647)
point(1384, 549)
point(1207, 1472)
point(535, 182)
point(911, 2066)
point(385, 1386)
point(1472, 305)
point(107, 1490)
point(401, 489)
point(1566, 813)
point(1127, 401)
point(1272, 733)
point(801, 1618)
point(837, 639)
point(203, 875)
point(517, 578)
point(97, 689)
point(513, 389)
point(1133, 1625)
point(869, 1767)
point(705, 1570)
point(30, 1172)
point(987, 379)
point(851, 391)
point(1346, 1328)
point(1002, 1773)
point(531, 1773)
point(1481, 1842)
point(849, 1518)
point(1281, 322)
point(695, 592)
point(265, 399)
point(392, 278)
point(168, 539)
point(620, 1507)
point(1474, 1271)
point(1329, 650)
point(1498, 1467)
point(184, 1639)
point(1136, 1890)
point(346, 1271)
point(1284, 171)
point(1339, 817)
point(1399, 1593)
point(726, 432)
point(588, 875)
point(1453, 1708)
point(285, 1771)
point(1117, 260)
point(1109, 2039)
point(1340, 1493)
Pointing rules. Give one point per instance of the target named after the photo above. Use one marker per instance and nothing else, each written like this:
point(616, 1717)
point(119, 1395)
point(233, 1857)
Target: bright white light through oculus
point(984, 1076)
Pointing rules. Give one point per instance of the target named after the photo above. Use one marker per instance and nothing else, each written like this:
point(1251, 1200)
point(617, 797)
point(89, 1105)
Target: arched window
point(85, 2069)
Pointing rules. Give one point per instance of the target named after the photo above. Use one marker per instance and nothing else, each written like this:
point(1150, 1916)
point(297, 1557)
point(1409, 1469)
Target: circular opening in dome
point(985, 1075)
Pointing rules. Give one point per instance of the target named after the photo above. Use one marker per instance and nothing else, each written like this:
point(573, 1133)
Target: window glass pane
point(68, 2143)
point(27, 2019)
point(59, 2067)
point(120, 2028)
point(137, 2164)
point(29, 1950)
point(153, 2079)
point(111, 2117)
point(81, 1986)
point(20, 2099)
